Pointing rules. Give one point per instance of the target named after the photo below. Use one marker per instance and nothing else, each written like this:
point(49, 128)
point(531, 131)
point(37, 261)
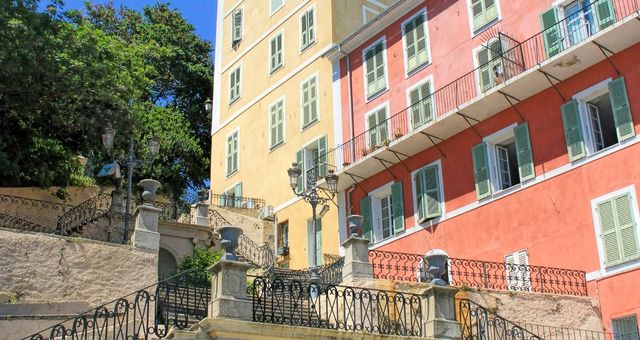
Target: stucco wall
point(46, 268)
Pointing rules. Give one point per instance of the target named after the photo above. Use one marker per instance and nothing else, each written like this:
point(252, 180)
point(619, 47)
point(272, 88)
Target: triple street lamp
point(131, 162)
point(313, 197)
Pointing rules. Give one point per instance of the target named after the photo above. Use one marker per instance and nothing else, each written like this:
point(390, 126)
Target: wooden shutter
point(280, 122)
point(421, 197)
point(490, 11)
point(626, 227)
point(573, 130)
point(426, 102)
point(421, 40)
point(322, 156)
point(485, 69)
point(311, 35)
point(236, 28)
point(365, 211)
point(383, 131)
point(379, 63)
point(551, 34)
point(306, 108)
point(313, 100)
point(621, 110)
point(237, 194)
point(610, 243)
point(477, 11)
point(432, 192)
point(273, 125)
point(397, 207)
point(370, 69)
point(373, 130)
point(300, 161)
point(481, 170)
point(229, 154)
point(416, 108)
point(523, 152)
point(411, 49)
point(304, 31)
point(604, 13)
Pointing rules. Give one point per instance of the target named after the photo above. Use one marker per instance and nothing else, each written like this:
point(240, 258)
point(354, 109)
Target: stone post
point(145, 233)
point(440, 311)
point(117, 201)
point(356, 260)
point(229, 291)
point(202, 213)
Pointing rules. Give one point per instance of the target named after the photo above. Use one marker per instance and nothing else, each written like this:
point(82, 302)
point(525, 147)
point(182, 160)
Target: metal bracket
point(431, 137)
point(398, 154)
point(383, 162)
point(508, 97)
point(466, 119)
point(548, 76)
point(328, 195)
point(356, 182)
point(604, 51)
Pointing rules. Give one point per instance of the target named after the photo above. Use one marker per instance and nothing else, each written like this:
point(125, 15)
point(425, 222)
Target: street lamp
point(131, 162)
point(312, 196)
point(208, 106)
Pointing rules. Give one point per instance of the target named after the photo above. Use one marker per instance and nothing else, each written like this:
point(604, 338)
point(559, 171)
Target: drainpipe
point(350, 101)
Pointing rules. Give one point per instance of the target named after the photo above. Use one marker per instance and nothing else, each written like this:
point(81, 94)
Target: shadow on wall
point(167, 264)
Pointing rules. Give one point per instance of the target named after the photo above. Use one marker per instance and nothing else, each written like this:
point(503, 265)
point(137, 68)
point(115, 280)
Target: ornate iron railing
point(30, 214)
point(478, 323)
point(336, 307)
point(481, 274)
point(231, 201)
point(72, 221)
point(329, 273)
point(262, 256)
point(550, 332)
point(177, 302)
point(174, 211)
point(512, 59)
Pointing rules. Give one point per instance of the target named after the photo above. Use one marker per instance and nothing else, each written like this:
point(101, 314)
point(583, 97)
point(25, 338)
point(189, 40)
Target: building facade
point(274, 104)
point(499, 130)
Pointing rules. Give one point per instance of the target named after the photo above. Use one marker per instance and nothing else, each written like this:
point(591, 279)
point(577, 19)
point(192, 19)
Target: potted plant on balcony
point(398, 134)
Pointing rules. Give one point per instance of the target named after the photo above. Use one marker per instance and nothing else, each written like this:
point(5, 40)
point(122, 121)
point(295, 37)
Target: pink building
point(499, 130)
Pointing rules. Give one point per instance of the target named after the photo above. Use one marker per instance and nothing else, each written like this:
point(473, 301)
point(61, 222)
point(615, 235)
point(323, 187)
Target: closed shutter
point(551, 34)
point(280, 122)
point(397, 207)
point(383, 131)
point(421, 196)
point(477, 12)
point(481, 170)
point(421, 40)
point(365, 211)
point(229, 155)
point(426, 102)
point(322, 156)
point(273, 125)
point(618, 230)
point(313, 100)
point(432, 192)
point(416, 108)
point(373, 130)
point(307, 103)
point(409, 33)
point(236, 28)
point(523, 152)
point(573, 130)
point(627, 228)
point(604, 14)
point(379, 61)
point(485, 69)
point(300, 162)
point(621, 110)
point(490, 11)
point(371, 74)
point(610, 244)
point(311, 27)
point(304, 31)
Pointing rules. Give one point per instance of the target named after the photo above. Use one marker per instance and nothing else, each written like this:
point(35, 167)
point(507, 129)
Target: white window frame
point(226, 155)
point(284, 124)
point(408, 73)
point(427, 79)
point(525, 276)
point(583, 97)
point(603, 269)
point(315, 28)
point(414, 192)
point(241, 9)
point(366, 122)
point(485, 27)
point(494, 173)
point(235, 100)
point(313, 122)
point(368, 98)
point(281, 34)
point(272, 10)
point(376, 212)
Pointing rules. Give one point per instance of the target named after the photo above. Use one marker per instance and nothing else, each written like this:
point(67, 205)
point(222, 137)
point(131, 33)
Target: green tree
point(197, 263)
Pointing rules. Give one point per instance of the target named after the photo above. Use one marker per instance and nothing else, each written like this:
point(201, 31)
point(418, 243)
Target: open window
point(312, 161)
point(383, 212)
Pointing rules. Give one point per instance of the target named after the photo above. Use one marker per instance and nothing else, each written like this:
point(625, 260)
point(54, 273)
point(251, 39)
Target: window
point(490, 65)
point(573, 22)
point(236, 27)
point(428, 198)
point(307, 29)
point(312, 161)
point(282, 241)
point(314, 242)
point(414, 32)
point(597, 118)
point(233, 197)
point(383, 212)
point(626, 328)
point(502, 160)
point(276, 56)
point(377, 129)
point(276, 124)
point(616, 215)
point(309, 100)
point(421, 105)
point(232, 153)
point(275, 6)
point(483, 12)
point(234, 85)
point(374, 62)
point(518, 276)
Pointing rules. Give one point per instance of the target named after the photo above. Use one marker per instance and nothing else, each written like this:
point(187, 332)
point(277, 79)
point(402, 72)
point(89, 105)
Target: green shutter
point(573, 130)
point(523, 151)
point(485, 69)
point(481, 170)
point(313, 100)
point(604, 13)
point(300, 162)
point(236, 24)
point(610, 244)
point(373, 130)
point(427, 102)
point(421, 196)
point(398, 207)
point(477, 11)
point(490, 11)
point(237, 194)
point(383, 131)
point(621, 110)
point(365, 211)
point(273, 125)
point(370, 69)
point(626, 228)
point(280, 122)
point(416, 108)
point(322, 156)
point(411, 49)
point(432, 192)
point(551, 34)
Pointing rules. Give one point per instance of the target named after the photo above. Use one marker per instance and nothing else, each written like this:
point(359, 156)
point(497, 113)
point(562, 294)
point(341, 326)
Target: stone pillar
point(202, 213)
point(440, 311)
point(229, 291)
point(117, 201)
point(145, 233)
point(356, 260)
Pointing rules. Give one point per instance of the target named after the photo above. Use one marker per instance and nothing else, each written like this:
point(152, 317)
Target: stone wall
point(43, 268)
point(256, 229)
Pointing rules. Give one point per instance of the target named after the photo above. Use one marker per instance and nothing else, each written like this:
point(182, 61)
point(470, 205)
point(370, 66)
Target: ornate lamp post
point(312, 196)
point(208, 107)
point(131, 162)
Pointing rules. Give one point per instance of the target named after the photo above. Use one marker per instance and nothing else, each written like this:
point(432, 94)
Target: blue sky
point(200, 13)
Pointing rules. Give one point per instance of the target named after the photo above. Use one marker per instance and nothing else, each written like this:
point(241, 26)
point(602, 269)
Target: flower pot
point(229, 235)
point(355, 222)
point(150, 186)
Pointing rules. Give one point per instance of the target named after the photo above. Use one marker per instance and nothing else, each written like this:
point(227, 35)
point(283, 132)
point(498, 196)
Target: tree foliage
point(65, 75)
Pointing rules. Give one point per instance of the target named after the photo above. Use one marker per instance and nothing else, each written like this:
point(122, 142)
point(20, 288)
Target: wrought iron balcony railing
point(231, 201)
point(28, 214)
point(511, 59)
point(479, 323)
point(481, 274)
point(329, 273)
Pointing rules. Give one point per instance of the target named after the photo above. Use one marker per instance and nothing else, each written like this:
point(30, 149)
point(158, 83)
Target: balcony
point(517, 71)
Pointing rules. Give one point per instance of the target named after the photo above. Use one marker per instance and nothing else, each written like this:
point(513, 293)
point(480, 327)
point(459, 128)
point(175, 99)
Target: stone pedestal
point(202, 213)
point(440, 310)
point(117, 202)
point(229, 291)
point(356, 260)
point(145, 234)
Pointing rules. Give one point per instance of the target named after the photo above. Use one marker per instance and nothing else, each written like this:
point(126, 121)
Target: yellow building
point(275, 102)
